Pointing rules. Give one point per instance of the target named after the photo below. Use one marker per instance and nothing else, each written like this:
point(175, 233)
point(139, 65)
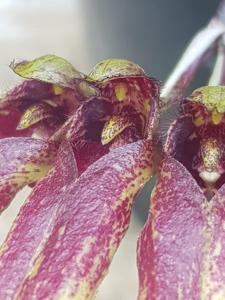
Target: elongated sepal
point(23, 161)
point(181, 248)
point(48, 68)
point(70, 235)
point(41, 206)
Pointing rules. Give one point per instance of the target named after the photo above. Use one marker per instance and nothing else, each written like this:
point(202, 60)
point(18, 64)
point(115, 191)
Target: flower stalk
point(201, 47)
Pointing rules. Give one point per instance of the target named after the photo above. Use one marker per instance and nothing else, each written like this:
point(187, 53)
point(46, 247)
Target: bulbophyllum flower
point(181, 248)
point(124, 111)
point(200, 146)
point(95, 142)
point(43, 101)
point(99, 157)
point(40, 105)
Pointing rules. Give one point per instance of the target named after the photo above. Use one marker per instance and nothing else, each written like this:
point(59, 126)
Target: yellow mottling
point(121, 91)
point(26, 119)
point(112, 250)
point(25, 175)
point(147, 107)
point(199, 121)
point(48, 68)
point(216, 117)
point(134, 186)
point(86, 289)
point(34, 114)
point(155, 213)
point(211, 153)
point(206, 283)
point(212, 97)
point(114, 126)
point(36, 266)
point(86, 248)
point(36, 172)
point(110, 68)
point(57, 90)
point(210, 288)
point(83, 292)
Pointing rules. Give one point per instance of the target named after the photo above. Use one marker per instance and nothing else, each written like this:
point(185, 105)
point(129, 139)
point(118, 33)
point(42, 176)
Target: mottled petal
point(114, 126)
point(181, 248)
point(34, 223)
point(34, 114)
point(23, 161)
point(88, 121)
point(68, 239)
point(136, 92)
point(48, 68)
point(211, 97)
point(125, 84)
point(213, 273)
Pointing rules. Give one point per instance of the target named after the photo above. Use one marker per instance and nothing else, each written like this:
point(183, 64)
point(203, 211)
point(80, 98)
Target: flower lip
point(209, 177)
point(196, 137)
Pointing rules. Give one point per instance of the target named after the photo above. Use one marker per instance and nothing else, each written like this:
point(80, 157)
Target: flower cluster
point(86, 144)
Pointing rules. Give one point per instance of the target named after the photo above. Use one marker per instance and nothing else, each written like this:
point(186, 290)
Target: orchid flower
point(115, 115)
point(87, 144)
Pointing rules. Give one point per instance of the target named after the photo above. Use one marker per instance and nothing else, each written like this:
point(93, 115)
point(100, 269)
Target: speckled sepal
point(23, 161)
point(181, 248)
point(65, 236)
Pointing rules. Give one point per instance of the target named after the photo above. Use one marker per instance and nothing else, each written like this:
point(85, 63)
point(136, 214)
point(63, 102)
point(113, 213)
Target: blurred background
point(149, 32)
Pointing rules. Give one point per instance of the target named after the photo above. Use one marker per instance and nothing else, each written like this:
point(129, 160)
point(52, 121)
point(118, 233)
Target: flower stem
point(218, 74)
point(193, 57)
